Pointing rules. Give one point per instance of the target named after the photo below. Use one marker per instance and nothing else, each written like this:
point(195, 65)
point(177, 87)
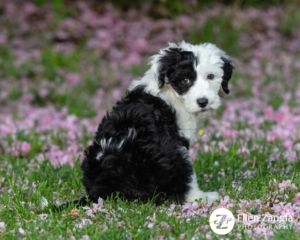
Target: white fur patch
point(195, 193)
point(104, 143)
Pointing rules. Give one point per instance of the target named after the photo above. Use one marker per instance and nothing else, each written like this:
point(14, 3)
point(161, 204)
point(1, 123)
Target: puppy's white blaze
point(195, 193)
point(202, 89)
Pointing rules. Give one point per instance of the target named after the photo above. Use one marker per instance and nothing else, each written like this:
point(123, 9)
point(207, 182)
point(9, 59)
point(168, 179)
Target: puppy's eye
point(210, 76)
point(186, 81)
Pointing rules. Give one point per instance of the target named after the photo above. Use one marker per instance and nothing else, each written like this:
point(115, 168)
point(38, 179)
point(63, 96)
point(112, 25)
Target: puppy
point(141, 148)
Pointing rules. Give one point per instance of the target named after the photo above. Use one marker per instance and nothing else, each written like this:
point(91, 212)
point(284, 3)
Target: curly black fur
point(137, 153)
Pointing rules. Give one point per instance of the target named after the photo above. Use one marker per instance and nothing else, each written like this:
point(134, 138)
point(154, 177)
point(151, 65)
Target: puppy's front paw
point(210, 197)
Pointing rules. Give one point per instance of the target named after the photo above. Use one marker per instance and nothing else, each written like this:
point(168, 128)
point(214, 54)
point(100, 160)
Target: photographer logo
point(221, 221)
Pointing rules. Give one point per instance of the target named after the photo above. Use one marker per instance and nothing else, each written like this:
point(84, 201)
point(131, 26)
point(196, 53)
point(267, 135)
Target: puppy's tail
point(79, 202)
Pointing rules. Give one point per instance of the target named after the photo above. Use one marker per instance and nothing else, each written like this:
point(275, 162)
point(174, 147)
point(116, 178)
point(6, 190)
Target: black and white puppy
point(140, 150)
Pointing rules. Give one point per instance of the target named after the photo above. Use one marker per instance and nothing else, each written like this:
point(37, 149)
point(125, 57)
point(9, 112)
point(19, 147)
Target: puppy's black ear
point(168, 63)
point(227, 72)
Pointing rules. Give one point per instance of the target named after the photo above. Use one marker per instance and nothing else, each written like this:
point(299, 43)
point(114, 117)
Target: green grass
point(26, 182)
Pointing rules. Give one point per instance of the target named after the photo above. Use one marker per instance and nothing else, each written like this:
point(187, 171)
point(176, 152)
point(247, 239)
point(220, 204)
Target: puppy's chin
point(203, 113)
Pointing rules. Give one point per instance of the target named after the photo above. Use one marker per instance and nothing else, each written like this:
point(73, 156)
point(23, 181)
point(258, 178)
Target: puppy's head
point(194, 73)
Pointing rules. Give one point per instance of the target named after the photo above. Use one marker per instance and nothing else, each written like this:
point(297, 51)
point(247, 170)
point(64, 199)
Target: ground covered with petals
point(61, 69)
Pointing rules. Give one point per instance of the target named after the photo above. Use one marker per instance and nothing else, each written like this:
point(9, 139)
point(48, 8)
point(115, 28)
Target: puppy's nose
point(202, 102)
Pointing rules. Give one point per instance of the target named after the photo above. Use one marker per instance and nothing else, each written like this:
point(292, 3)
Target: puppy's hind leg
point(195, 193)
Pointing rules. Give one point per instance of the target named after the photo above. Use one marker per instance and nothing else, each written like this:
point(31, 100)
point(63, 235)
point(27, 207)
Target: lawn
point(63, 66)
